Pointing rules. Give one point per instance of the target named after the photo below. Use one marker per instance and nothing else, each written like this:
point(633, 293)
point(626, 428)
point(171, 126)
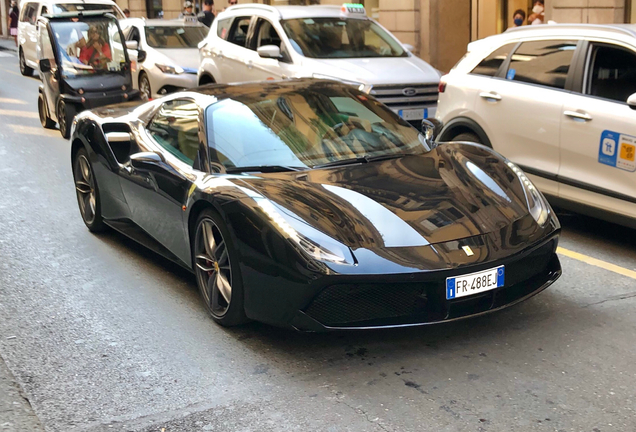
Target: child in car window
point(96, 53)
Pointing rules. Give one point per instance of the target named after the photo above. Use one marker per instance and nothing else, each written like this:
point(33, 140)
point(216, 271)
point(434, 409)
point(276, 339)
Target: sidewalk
point(8, 45)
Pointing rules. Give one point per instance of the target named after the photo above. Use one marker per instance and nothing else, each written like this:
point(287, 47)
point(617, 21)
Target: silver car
point(164, 54)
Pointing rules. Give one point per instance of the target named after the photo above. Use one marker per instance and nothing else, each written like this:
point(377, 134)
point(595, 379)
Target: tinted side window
point(491, 64)
point(223, 28)
point(612, 73)
point(542, 62)
point(176, 128)
point(267, 34)
point(44, 10)
point(238, 33)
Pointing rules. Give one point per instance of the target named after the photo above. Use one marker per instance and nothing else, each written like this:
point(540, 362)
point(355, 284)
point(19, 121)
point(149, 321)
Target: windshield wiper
point(361, 159)
point(263, 169)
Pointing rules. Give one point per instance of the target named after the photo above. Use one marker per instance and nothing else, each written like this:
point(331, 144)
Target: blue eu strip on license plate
point(474, 283)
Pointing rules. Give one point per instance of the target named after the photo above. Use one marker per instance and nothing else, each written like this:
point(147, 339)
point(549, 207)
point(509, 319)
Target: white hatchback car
point(560, 102)
point(164, 53)
point(30, 11)
point(256, 42)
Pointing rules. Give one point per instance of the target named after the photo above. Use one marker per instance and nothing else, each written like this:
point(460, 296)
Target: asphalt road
point(100, 334)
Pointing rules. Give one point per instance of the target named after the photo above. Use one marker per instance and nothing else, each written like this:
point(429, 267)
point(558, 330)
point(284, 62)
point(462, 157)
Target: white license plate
point(465, 285)
point(416, 114)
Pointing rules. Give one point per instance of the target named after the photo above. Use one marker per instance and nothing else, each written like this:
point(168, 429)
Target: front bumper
point(163, 83)
point(91, 100)
point(401, 303)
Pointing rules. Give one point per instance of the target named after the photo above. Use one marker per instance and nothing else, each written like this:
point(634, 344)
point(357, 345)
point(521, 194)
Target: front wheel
point(217, 270)
point(467, 136)
point(45, 120)
point(65, 116)
point(24, 69)
point(87, 192)
point(144, 87)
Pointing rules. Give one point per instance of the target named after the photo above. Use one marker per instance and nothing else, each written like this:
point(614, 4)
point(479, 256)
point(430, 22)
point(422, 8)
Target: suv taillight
point(441, 87)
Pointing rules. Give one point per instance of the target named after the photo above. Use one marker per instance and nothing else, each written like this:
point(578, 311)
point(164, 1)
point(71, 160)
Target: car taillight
point(441, 86)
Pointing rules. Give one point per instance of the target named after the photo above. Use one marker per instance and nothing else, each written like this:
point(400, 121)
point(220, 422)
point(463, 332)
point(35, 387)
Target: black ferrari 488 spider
point(309, 204)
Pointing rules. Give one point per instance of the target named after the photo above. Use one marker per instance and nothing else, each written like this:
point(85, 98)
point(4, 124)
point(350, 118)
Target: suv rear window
point(491, 64)
point(544, 63)
point(223, 27)
point(29, 13)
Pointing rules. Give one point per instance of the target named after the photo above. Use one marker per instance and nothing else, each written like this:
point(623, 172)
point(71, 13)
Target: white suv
point(258, 42)
point(559, 101)
point(30, 11)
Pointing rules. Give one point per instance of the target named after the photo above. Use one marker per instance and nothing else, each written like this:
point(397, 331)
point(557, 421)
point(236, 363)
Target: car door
point(598, 135)
point(133, 33)
point(50, 78)
point(268, 68)
point(29, 33)
point(156, 189)
point(521, 113)
point(232, 54)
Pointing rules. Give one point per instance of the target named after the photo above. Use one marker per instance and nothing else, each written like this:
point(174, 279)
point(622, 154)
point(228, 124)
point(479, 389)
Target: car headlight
point(366, 88)
point(537, 205)
point(319, 247)
point(168, 69)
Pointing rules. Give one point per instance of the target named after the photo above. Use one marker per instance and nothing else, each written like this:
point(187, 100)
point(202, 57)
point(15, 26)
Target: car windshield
point(299, 126)
point(175, 37)
point(340, 38)
point(88, 47)
point(80, 7)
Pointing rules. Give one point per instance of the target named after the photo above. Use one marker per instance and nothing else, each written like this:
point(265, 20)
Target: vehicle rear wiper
point(263, 169)
point(361, 159)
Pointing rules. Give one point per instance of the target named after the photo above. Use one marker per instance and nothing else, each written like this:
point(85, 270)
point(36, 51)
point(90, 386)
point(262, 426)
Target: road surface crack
point(613, 298)
point(365, 414)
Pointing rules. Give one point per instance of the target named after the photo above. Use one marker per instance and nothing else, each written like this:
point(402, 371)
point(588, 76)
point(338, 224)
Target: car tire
point(24, 69)
point(215, 262)
point(65, 115)
point(467, 136)
point(45, 120)
point(87, 192)
point(145, 90)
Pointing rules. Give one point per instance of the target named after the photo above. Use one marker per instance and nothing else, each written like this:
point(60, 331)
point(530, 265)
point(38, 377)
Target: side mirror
point(408, 47)
point(45, 65)
point(132, 45)
point(269, 51)
point(430, 131)
point(147, 160)
point(631, 101)
point(141, 56)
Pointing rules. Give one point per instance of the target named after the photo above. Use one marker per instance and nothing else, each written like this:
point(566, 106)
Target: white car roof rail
point(267, 8)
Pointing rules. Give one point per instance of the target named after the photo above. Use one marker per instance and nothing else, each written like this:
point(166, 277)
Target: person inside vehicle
point(96, 52)
point(206, 16)
point(70, 39)
point(519, 17)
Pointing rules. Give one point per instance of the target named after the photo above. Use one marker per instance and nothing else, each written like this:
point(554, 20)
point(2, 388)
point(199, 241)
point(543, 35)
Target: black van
point(83, 64)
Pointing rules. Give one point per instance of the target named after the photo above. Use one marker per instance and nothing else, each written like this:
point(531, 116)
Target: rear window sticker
point(617, 150)
point(511, 74)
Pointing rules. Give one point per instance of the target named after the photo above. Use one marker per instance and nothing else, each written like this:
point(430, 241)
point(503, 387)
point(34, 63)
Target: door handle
point(578, 116)
point(490, 96)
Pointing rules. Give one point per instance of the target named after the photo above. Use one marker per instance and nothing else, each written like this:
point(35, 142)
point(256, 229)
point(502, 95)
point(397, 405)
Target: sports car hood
point(376, 71)
point(184, 57)
point(453, 192)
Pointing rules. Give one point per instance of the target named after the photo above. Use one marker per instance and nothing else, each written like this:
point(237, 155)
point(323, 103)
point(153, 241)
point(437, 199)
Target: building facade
point(438, 29)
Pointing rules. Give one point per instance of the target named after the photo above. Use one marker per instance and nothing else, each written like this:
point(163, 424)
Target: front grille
point(350, 305)
point(417, 95)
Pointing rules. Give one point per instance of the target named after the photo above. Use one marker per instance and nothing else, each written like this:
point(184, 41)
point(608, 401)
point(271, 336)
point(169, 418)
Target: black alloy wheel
point(65, 116)
point(217, 272)
point(45, 120)
point(144, 87)
point(87, 192)
point(24, 69)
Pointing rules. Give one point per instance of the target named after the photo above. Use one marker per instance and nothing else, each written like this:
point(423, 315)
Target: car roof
point(575, 29)
point(292, 12)
point(104, 2)
point(160, 22)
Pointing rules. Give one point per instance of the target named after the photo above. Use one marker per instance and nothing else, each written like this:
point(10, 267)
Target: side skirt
point(134, 232)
